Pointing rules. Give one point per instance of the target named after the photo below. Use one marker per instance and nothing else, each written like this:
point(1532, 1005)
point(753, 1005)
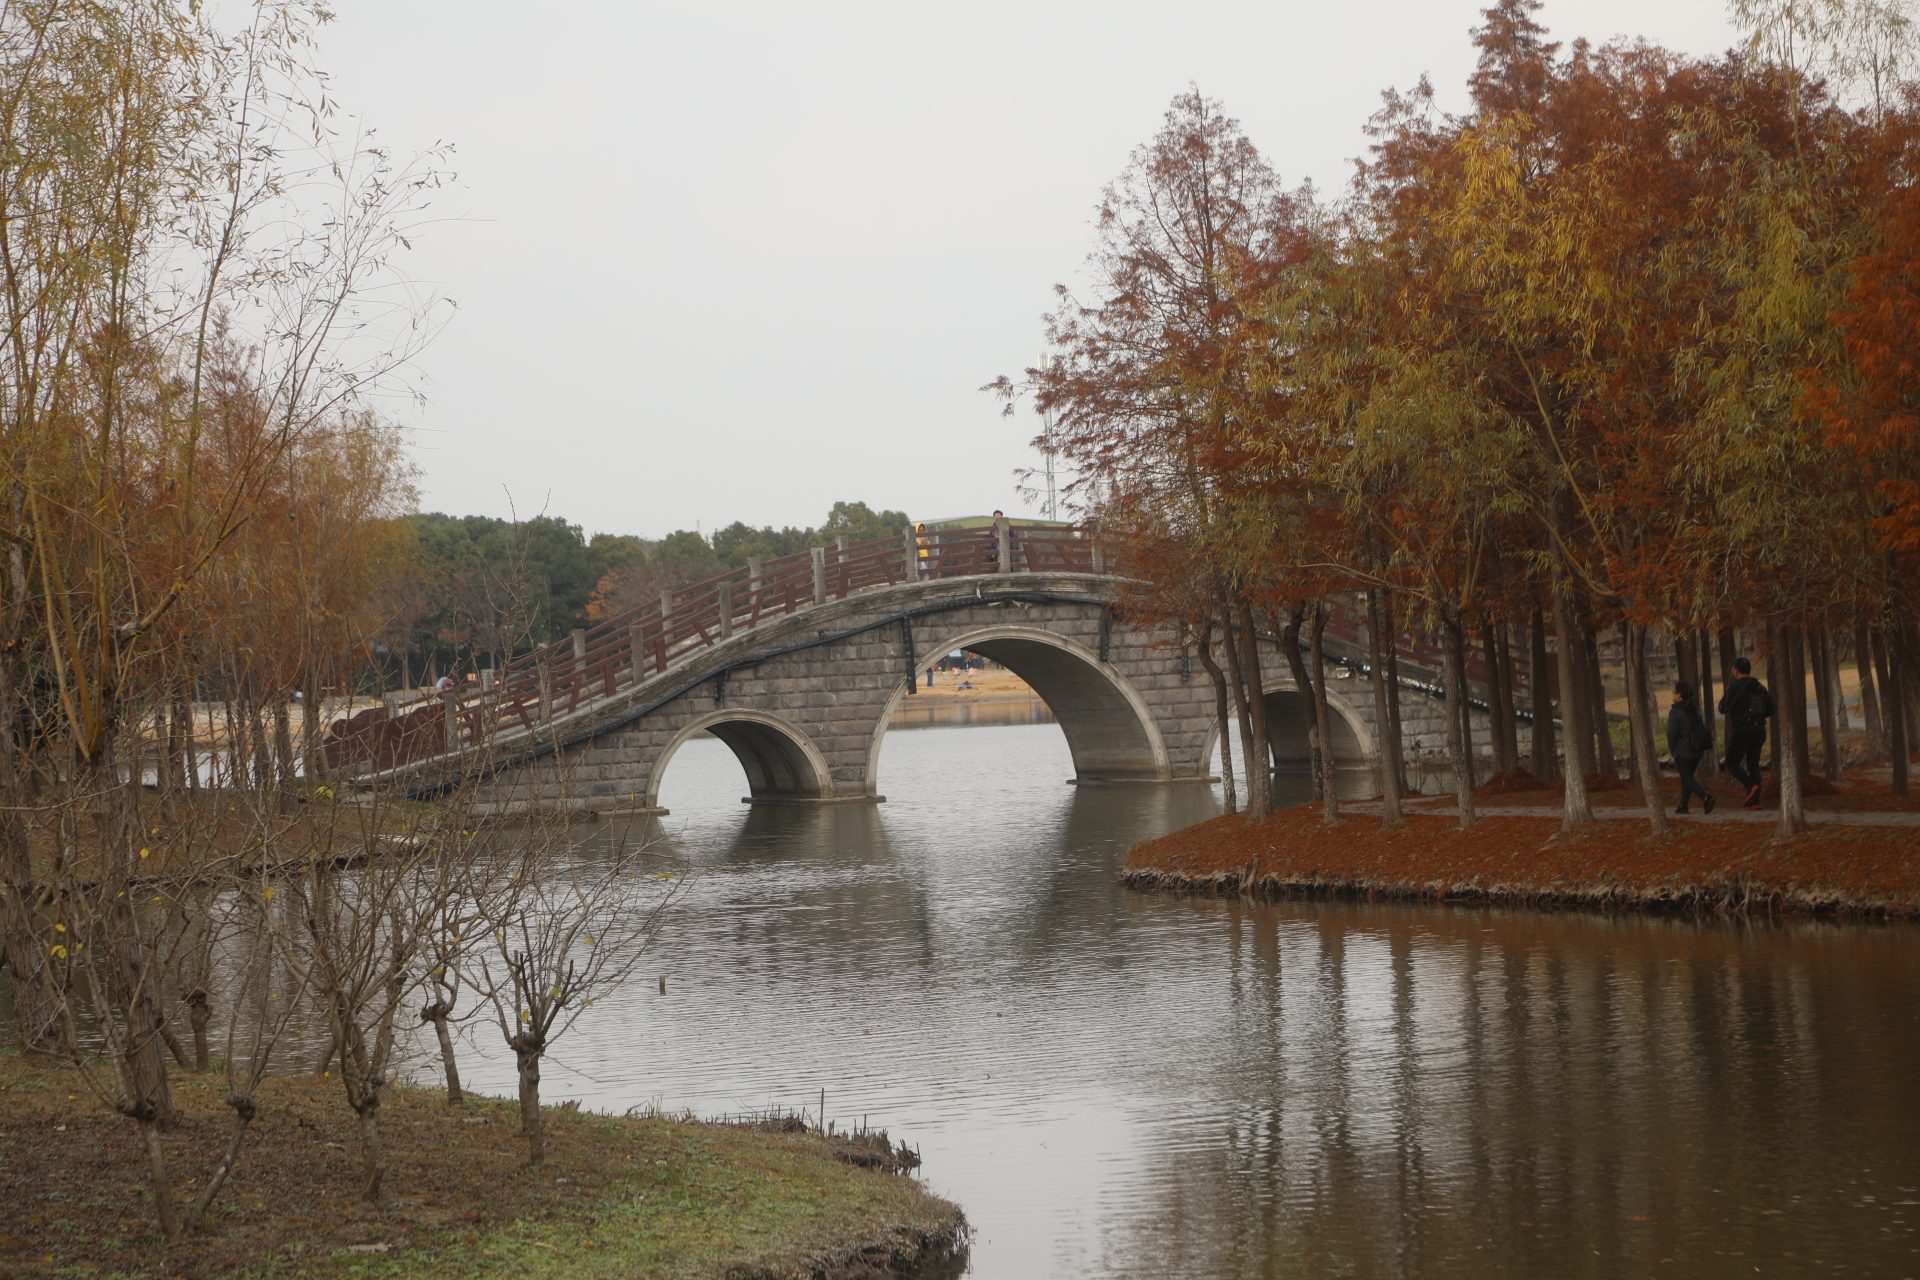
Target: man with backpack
point(1747, 706)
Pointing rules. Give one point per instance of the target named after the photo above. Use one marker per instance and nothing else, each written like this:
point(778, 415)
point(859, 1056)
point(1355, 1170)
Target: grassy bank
point(618, 1196)
point(1524, 858)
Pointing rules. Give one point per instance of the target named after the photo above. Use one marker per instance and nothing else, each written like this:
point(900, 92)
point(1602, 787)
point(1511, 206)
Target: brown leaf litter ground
point(1517, 852)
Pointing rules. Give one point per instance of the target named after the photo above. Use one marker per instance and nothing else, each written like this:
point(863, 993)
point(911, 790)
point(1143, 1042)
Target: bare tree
point(563, 928)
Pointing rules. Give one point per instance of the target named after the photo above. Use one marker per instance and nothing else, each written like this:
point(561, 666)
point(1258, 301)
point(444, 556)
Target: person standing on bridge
point(1687, 741)
point(1747, 706)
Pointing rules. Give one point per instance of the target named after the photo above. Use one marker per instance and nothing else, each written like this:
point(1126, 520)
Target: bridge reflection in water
point(1119, 1085)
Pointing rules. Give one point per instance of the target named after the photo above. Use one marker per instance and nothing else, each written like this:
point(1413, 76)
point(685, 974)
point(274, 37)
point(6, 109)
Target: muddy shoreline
point(1727, 896)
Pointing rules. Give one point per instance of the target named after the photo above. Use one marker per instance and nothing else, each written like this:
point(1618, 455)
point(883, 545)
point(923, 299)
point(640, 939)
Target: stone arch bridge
point(798, 665)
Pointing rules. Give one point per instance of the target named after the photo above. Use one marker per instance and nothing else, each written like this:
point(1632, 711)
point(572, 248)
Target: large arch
point(1109, 729)
point(781, 762)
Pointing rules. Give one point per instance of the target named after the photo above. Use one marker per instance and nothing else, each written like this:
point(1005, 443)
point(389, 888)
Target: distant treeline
point(482, 589)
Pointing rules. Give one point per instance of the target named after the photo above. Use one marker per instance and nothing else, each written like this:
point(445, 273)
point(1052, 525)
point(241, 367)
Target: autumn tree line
point(202, 508)
point(1622, 354)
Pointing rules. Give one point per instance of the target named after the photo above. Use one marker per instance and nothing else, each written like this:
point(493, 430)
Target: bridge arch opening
point(1288, 712)
point(1109, 730)
point(780, 761)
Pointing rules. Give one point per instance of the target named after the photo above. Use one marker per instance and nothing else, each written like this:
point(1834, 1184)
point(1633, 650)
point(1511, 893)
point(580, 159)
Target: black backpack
point(1753, 709)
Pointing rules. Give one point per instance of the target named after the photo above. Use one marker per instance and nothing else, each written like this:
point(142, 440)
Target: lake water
point(1122, 1085)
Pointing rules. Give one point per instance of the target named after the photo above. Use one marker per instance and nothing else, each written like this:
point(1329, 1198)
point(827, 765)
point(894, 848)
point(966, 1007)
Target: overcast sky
point(719, 261)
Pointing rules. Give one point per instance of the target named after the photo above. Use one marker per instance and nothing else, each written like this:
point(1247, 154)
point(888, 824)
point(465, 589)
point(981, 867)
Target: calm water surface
point(1119, 1085)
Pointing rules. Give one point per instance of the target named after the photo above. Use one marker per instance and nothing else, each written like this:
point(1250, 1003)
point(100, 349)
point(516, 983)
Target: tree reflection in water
point(1116, 1084)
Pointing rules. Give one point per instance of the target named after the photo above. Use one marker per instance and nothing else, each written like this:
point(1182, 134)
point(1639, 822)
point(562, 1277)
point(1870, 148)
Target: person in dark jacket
point(1688, 740)
point(1747, 706)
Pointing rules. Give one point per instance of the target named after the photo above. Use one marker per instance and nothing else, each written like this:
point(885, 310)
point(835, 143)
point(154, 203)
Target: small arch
point(781, 762)
point(1287, 712)
point(1109, 729)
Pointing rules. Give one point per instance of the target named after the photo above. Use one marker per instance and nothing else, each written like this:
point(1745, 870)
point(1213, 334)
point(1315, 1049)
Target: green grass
point(690, 1200)
point(618, 1196)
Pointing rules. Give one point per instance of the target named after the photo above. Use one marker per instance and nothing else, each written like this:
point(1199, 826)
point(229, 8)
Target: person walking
point(1687, 741)
point(1747, 706)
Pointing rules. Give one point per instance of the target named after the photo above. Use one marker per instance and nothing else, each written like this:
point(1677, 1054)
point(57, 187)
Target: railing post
point(637, 649)
point(544, 665)
point(726, 610)
point(753, 578)
point(393, 704)
point(913, 556)
point(819, 575)
point(1093, 547)
point(486, 679)
point(1002, 531)
point(450, 700)
point(579, 644)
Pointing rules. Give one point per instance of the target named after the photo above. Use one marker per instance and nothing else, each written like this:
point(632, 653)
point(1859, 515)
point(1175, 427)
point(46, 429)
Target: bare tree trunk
point(1257, 706)
point(361, 1079)
point(1510, 726)
point(1699, 644)
point(1869, 695)
point(145, 1067)
point(1603, 758)
point(243, 1113)
point(1255, 793)
point(1385, 732)
point(1793, 814)
point(1573, 707)
point(1795, 639)
point(35, 1016)
point(1543, 746)
point(174, 1046)
point(162, 1182)
point(437, 1013)
point(1303, 681)
point(1580, 752)
point(1499, 698)
point(1205, 646)
point(1462, 710)
point(1833, 641)
point(370, 1151)
point(166, 763)
point(310, 731)
point(189, 755)
point(199, 1013)
point(1640, 726)
point(1824, 689)
point(285, 782)
point(263, 779)
point(1392, 628)
point(1457, 742)
point(1322, 723)
point(1895, 681)
point(1904, 653)
point(1686, 663)
point(529, 1063)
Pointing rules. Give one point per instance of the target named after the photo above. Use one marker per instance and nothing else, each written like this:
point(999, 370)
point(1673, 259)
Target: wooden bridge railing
point(556, 679)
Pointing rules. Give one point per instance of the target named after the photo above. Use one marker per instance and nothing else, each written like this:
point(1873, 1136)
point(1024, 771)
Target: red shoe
point(1753, 796)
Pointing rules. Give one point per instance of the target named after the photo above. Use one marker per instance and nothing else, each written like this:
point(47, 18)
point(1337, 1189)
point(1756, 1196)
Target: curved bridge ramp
point(798, 664)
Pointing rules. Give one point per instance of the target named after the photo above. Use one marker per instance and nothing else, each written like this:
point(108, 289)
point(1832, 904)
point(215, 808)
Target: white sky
point(728, 260)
